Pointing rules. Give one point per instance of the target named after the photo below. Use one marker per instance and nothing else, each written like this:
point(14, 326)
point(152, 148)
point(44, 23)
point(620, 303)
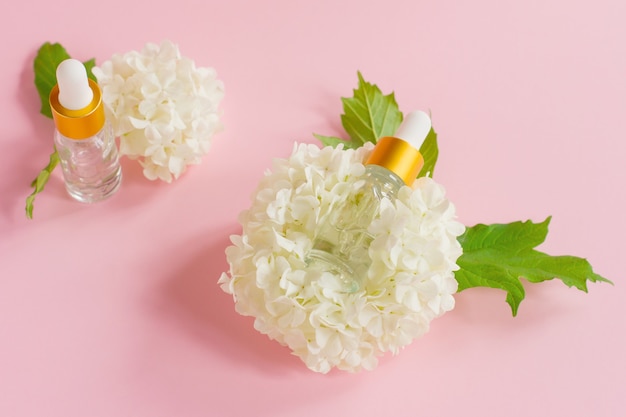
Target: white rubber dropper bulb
point(414, 128)
point(74, 90)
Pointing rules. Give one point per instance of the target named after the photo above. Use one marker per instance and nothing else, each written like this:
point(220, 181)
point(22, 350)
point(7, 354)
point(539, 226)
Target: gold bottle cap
point(400, 154)
point(78, 124)
point(399, 157)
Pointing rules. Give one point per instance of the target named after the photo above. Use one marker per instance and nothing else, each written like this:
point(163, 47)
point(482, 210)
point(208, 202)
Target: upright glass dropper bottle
point(83, 138)
point(342, 243)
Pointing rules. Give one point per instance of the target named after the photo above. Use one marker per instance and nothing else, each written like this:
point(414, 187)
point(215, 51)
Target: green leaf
point(89, 66)
point(46, 62)
point(48, 58)
point(498, 255)
point(430, 152)
point(368, 116)
point(333, 141)
point(40, 182)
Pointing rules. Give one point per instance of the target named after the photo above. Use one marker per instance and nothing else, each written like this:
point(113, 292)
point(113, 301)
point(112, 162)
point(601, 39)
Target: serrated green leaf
point(511, 237)
point(48, 58)
point(430, 152)
point(370, 115)
point(498, 255)
point(40, 182)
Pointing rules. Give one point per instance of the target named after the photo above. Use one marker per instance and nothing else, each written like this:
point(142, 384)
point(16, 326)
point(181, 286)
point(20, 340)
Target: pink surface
point(113, 309)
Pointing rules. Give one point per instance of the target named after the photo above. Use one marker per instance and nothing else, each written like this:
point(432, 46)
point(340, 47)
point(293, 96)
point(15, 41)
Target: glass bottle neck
point(387, 183)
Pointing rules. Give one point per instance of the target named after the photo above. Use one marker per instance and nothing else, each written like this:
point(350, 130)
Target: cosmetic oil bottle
point(83, 138)
point(342, 244)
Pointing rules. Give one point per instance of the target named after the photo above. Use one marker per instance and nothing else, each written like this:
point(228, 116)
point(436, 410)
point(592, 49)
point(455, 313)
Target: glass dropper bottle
point(83, 138)
point(342, 243)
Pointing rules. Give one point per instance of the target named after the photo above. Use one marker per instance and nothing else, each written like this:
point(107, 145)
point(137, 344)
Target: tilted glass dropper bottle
point(342, 243)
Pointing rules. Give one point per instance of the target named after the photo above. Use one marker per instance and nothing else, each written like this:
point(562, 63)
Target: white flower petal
point(168, 100)
point(410, 281)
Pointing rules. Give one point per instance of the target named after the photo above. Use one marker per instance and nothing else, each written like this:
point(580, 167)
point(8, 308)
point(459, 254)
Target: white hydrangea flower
point(163, 108)
point(410, 281)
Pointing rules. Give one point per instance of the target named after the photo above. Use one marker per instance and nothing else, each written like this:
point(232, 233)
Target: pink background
point(113, 309)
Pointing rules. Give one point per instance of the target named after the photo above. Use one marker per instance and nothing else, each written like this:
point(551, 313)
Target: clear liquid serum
point(342, 244)
point(83, 138)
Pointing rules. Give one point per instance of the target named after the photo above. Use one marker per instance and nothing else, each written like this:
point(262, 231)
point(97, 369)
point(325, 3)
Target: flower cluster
point(410, 280)
point(163, 108)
